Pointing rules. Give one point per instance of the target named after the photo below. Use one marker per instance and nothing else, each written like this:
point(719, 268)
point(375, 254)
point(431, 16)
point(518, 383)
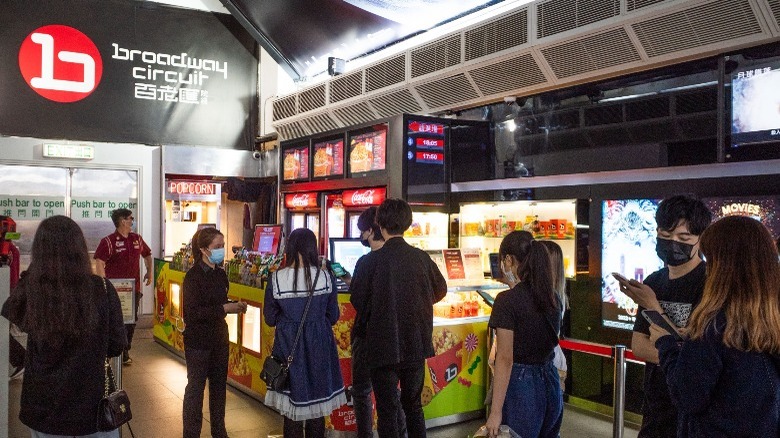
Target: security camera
point(509, 100)
point(257, 155)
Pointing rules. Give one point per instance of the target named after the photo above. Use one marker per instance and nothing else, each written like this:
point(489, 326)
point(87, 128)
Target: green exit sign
point(80, 152)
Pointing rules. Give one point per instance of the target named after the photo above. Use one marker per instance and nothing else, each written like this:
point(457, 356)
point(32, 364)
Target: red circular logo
point(60, 63)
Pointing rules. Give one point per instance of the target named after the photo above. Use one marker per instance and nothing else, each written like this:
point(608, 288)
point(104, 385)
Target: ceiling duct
point(399, 102)
point(505, 76)
point(346, 86)
point(386, 73)
point(592, 53)
point(549, 44)
point(312, 98)
point(558, 16)
point(436, 56)
point(710, 23)
point(496, 36)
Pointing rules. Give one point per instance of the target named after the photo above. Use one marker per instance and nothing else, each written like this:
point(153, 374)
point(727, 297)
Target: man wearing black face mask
point(672, 291)
point(370, 237)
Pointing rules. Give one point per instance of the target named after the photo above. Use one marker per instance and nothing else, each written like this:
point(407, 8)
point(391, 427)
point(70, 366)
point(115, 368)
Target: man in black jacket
point(395, 298)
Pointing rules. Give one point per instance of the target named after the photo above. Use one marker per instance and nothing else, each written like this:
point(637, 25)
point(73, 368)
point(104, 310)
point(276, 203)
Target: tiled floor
point(155, 384)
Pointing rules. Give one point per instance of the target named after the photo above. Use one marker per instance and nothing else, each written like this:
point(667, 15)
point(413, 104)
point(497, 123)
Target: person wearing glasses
point(117, 257)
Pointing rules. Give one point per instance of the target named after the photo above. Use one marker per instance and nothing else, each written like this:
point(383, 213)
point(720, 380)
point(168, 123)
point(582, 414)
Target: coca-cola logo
point(359, 198)
point(300, 200)
point(373, 196)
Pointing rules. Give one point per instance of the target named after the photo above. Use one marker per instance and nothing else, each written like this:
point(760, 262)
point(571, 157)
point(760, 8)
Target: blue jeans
point(534, 404)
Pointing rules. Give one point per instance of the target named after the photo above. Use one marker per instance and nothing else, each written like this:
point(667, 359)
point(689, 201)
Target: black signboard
point(126, 71)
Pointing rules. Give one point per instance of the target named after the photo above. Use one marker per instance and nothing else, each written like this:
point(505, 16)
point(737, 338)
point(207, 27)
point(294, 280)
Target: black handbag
point(276, 370)
point(114, 407)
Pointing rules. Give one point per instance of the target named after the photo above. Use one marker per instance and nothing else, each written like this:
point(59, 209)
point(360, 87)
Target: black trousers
point(202, 365)
point(315, 428)
point(385, 381)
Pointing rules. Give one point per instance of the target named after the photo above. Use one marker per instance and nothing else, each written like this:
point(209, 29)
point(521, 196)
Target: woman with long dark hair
point(527, 319)
point(73, 320)
point(559, 284)
point(724, 378)
point(205, 305)
point(315, 384)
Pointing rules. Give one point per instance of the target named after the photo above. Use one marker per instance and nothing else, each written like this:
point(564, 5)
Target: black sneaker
point(17, 372)
point(126, 359)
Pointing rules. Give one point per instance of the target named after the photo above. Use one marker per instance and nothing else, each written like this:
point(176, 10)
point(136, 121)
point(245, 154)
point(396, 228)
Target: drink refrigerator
point(302, 210)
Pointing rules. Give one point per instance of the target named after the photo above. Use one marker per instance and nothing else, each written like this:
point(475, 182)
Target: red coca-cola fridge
point(303, 211)
point(342, 210)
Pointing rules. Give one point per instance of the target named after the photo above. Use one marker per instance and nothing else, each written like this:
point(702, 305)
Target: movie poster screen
point(628, 248)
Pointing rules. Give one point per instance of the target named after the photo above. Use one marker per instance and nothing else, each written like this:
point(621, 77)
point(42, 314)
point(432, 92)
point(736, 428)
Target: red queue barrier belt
point(595, 349)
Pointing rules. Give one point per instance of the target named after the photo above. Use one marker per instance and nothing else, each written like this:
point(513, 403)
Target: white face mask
point(508, 274)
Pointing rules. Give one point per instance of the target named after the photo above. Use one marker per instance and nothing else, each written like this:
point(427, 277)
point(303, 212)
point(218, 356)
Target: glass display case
point(428, 230)
point(483, 226)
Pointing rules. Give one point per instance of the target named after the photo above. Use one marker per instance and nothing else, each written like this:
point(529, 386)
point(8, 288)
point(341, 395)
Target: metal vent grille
point(714, 22)
point(775, 6)
point(320, 123)
point(633, 5)
point(647, 109)
point(392, 104)
point(512, 74)
point(346, 86)
point(447, 91)
point(558, 16)
point(436, 56)
point(498, 35)
point(355, 114)
point(285, 107)
point(386, 73)
point(697, 102)
point(603, 115)
point(591, 53)
point(292, 130)
point(312, 98)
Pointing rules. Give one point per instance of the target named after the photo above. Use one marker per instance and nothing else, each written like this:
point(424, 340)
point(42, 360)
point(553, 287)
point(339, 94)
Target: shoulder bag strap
point(303, 319)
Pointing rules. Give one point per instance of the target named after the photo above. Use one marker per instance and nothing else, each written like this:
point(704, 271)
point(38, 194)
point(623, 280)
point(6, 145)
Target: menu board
point(329, 158)
point(267, 238)
point(454, 264)
point(367, 150)
point(296, 163)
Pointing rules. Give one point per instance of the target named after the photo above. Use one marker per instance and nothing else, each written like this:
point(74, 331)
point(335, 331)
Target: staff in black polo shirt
point(206, 336)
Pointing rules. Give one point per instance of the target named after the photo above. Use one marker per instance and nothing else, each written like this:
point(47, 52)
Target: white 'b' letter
point(47, 81)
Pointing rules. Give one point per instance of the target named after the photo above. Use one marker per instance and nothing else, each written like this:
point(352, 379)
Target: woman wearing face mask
point(527, 319)
point(205, 305)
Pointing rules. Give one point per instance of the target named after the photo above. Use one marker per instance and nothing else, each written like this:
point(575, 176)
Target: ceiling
point(301, 34)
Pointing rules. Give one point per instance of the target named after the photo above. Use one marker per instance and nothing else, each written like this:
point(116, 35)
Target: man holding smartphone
point(673, 292)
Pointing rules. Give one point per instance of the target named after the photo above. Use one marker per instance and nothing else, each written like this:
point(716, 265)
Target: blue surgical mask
point(217, 256)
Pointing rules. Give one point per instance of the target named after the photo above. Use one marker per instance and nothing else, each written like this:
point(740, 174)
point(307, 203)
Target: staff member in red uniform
point(117, 257)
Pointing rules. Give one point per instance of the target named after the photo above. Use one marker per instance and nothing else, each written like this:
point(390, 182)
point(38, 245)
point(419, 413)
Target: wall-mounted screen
point(765, 209)
point(628, 237)
point(267, 239)
point(295, 162)
point(755, 105)
point(367, 149)
point(328, 158)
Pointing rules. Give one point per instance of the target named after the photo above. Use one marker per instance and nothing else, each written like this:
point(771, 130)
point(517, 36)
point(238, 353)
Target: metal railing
point(621, 355)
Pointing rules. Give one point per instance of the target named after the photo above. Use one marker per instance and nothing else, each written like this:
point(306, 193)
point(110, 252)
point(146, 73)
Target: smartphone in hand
point(338, 270)
point(656, 318)
point(619, 277)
